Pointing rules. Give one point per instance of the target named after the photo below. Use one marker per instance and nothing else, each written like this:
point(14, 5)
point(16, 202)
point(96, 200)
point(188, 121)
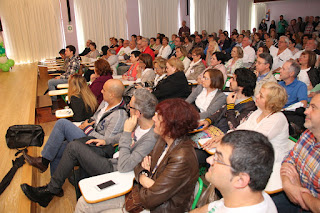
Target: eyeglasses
point(215, 160)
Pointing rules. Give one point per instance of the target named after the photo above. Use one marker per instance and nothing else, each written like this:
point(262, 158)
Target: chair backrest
point(200, 188)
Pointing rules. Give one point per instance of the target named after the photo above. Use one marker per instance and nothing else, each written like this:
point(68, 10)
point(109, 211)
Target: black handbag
point(19, 136)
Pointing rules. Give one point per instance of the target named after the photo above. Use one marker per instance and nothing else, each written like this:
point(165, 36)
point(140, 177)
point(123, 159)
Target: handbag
point(132, 201)
point(19, 136)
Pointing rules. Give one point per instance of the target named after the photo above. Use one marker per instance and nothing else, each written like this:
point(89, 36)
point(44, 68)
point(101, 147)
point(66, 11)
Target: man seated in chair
point(107, 123)
point(240, 174)
point(72, 67)
point(135, 143)
point(300, 170)
point(65, 62)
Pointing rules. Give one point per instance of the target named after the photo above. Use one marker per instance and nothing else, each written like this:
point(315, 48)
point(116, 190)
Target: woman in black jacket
point(175, 85)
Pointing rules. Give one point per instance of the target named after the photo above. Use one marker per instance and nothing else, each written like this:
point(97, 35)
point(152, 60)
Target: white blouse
point(203, 100)
point(164, 52)
point(275, 127)
point(304, 77)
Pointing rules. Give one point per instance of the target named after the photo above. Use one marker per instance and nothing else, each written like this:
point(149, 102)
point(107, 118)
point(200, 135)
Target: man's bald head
point(114, 87)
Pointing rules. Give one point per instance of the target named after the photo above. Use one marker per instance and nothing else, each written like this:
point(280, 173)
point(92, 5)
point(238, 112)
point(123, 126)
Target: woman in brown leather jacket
point(167, 176)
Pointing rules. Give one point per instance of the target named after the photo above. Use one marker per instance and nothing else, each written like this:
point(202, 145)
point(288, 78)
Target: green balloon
point(10, 62)
point(5, 67)
point(2, 50)
point(1, 44)
point(3, 54)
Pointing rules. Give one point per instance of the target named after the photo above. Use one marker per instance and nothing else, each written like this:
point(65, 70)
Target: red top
point(149, 51)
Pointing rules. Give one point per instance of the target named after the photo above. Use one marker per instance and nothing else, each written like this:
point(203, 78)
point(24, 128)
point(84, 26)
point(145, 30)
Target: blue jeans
point(52, 83)
point(63, 132)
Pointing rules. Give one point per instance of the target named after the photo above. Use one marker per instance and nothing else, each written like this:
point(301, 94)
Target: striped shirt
point(305, 156)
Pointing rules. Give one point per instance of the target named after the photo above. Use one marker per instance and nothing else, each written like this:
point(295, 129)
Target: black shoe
point(35, 162)
point(39, 195)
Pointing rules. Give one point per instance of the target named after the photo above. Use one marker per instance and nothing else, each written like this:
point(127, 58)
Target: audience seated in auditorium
point(145, 47)
point(167, 177)
point(113, 43)
point(95, 156)
point(292, 46)
point(159, 65)
point(223, 42)
point(120, 45)
point(125, 50)
point(217, 62)
point(196, 66)
point(87, 49)
point(102, 73)
point(157, 46)
point(300, 169)
point(94, 53)
point(131, 74)
point(239, 40)
point(296, 90)
point(311, 45)
point(308, 73)
point(233, 171)
point(208, 97)
point(236, 61)
point(165, 49)
point(248, 52)
point(82, 101)
point(211, 48)
point(238, 108)
point(106, 123)
point(263, 67)
point(152, 42)
point(188, 43)
point(257, 43)
point(178, 41)
point(175, 85)
point(267, 119)
point(297, 96)
point(198, 42)
point(65, 62)
point(282, 55)
point(181, 53)
point(273, 50)
point(145, 73)
point(72, 68)
point(113, 60)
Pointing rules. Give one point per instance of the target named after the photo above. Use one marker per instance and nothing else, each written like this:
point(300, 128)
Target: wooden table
point(18, 89)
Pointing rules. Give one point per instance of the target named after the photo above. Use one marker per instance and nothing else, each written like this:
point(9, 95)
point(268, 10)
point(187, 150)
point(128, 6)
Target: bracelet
point(145, 172)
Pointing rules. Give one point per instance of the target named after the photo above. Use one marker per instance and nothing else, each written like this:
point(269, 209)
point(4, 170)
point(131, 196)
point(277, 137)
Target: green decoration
point(10, 62)
point(5, 67)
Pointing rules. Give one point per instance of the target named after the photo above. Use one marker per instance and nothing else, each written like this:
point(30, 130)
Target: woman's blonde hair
point(176, 63)
point(239, 51)
point(78, 87)
point(276, 97)
point(161, 62)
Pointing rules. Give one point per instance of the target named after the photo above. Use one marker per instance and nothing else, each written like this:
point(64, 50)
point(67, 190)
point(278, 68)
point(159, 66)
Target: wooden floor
point(18, 90)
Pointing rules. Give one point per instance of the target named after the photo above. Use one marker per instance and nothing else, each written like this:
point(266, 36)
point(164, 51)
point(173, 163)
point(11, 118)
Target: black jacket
point(173, 86)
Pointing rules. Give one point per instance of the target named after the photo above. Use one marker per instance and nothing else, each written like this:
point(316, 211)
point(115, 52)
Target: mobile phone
point(200, 127)
point(104, 185)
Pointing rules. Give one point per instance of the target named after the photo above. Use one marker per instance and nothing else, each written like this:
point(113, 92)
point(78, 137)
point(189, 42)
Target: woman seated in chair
point(236, 61)
point(167, 176)
point(131, 74)
point(102, 73)
point(175, 85)
point(145, 71)
point(267, 119)
point(207, 96)
point(82, 101)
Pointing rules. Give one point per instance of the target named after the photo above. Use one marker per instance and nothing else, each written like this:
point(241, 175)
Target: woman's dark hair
point(178, 117)
point(216, 78)
point(94, 45)
point(265, 49)
point(102, 67)
point(147, 59)
point(104, 50)
point(220, 57)
point(246, 79)
point(136, 53)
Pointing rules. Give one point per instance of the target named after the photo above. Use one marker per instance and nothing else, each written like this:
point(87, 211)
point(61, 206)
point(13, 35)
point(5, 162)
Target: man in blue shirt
point(297, 91)
point(297, 94)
